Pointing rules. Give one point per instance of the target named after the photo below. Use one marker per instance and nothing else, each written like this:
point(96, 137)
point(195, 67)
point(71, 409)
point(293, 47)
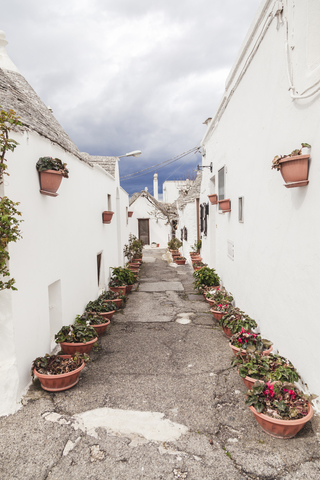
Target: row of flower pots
point(278, 405)
point(60, 372)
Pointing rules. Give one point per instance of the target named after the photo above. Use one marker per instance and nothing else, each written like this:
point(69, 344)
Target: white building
point(266, 248)
point(171, 189)
point(63, 259)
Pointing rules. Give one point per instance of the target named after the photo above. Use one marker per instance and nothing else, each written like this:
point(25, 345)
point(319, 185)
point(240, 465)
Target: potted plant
point(235, 321)
point(248, 342)
point(293, 167)
point(105, 310)
point(198, 265)
point(98, 322)
point(255, 366)
point(213, 199)
point(123, 277)
point(205, 277)
point(218, 295)
point(133, 250)
point(281, 409)
point(76, 338)
point(225, 205)
point(58, 372)
point(219, 310)
point(51, 170)
point(111, 297)
point(174, 244)
point(153, 244)
point(180, 260)
point(196, 247)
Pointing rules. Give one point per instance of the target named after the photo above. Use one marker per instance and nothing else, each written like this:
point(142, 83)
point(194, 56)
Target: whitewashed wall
point(171, 190)
point(159, 232)
point(274, 276)
point(57, 256)
point(188, 219)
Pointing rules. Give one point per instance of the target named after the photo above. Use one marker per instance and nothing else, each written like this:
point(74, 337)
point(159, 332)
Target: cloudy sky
point(123, 75)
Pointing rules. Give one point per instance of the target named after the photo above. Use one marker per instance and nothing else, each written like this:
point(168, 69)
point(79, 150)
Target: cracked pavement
point(166, 359)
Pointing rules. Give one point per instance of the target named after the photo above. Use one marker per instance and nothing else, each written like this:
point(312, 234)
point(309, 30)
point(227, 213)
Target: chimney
point(155, 186)
point(5, 62)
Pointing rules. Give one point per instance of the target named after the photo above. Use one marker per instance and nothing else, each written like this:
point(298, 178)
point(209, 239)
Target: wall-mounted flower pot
point(130, 214)
point(294, 170)
point(213, 199)
point(107, 217)
point(225, 205)
point(50, 181)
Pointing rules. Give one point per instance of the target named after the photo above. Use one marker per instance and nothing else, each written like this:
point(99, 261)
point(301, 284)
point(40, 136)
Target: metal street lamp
point(135, 153)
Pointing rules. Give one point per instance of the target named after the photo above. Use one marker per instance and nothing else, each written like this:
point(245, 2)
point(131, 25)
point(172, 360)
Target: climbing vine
point(9, 223)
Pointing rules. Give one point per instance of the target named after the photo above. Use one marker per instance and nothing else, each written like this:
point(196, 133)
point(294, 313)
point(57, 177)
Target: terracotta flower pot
point(129, 288)
point(174, 252)
point(248, 381)
point(73, 348)
point(211, 302)
point(100, 329)
point(121, 290)
point(217, 314)
point(243, 352)
point(180, 262)
point(130, 214)
point(158, 244)
point(107, 217)
point(213, 199)
point(227, 332)
point(117, 301)
point(294, 170)
point(50, 181)
point(58, 383)
point(225, 205)
point(281, 428)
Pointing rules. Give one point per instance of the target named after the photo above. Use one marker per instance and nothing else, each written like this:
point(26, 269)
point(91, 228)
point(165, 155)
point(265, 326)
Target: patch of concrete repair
point(184, 318)
point(151, 426)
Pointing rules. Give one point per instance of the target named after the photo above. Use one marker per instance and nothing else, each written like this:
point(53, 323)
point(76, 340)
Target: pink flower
point(246, 340)
point(220, 305)
point(243, 330)
point(291, 392)
point(285, 390)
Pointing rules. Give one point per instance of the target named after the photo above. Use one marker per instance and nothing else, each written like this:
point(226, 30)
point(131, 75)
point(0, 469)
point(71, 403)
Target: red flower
point(291, 392)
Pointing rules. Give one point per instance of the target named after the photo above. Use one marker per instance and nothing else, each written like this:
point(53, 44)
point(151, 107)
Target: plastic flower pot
point(107, 315)
point(100, 329)
point(117, 301)
point(281, 428)
point(225, 205)
point(107, 217)
point(294, 170)
point(129, 288)
point(180, 262)
point(58, 383)
point(130, 214)
point(121, 289)
point(72, 348)
point(50, 181)
point(213, 199)
point(217, 314)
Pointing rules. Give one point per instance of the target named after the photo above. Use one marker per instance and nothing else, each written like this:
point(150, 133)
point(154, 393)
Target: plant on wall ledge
point(51, 170)
point(293, 167)
point(9, 224)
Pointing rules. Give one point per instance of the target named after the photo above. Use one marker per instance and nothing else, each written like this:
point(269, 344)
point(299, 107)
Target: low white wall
point(62, 237)
point(188, 219)
point(274, 276)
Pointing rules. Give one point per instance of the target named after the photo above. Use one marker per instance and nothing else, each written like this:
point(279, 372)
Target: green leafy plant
point(251, 342)
point(237, 321)
point(265, 367)
point(219, 295)
point(75, 334)
point(174, 244)
point(121, 276)
point(88, 318)
point(180, 258)
point(56, 365)
point(278, 400)
point(49, 163)
point(277, 158)
point(134, 248)
point(99, 306)
point(205, 277)
point(9, 224)
point(196, 247)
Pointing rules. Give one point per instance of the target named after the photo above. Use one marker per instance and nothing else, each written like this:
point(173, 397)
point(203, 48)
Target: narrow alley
point(158, 400)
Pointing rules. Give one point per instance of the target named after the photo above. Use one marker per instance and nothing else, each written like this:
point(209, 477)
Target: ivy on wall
point(9, 223)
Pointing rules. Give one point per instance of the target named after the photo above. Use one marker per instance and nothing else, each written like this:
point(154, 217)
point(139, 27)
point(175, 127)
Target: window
point(185, 234)
point(109, 203)
point(221, 183)
point(204, 212)
point(240, 209)
point(99, 256)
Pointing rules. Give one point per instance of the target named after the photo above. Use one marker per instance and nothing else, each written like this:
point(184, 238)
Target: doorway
point(143, 229)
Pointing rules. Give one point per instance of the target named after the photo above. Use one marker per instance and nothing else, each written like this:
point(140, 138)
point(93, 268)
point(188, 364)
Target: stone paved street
point(158, 401)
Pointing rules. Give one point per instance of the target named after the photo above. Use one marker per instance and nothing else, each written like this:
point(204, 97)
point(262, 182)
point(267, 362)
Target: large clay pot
point(72, 348)
point(50, 181)
point(107, 315)
point(227, 332)
point(294, 170)
point(116, 301)
point(100, 329)
point(243, 352)
point(211, 302)
point(121, 290)
point(249, 382)
point(58, 383)
point(281, 428)
point(180, 262)
point(129, 288)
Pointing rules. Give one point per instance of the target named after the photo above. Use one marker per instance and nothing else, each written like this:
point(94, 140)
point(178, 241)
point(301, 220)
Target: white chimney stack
point(155, 186)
